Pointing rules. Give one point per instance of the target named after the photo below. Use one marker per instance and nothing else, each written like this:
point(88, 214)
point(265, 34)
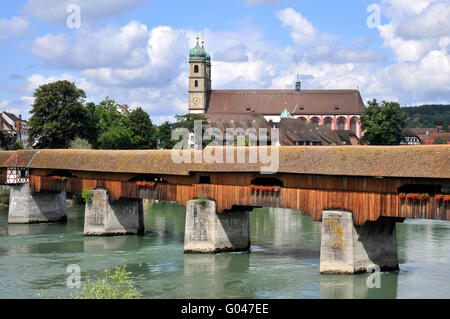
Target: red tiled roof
point(273, 102)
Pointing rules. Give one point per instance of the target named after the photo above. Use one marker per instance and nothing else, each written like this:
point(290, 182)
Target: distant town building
point(123, 109)
point(13, 129)
point(335, 109)
point(411, 138)
point(429, 135)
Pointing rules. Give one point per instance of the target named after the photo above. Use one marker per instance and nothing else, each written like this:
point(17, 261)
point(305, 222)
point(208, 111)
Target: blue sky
point(135, 51)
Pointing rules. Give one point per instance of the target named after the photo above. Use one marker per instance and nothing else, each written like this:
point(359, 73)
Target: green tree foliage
point(143, 130)
point(58, 115)
point(164, 136)
point(18, 145)
point(383, 123)
point(80, 144)
point(428, 116)
point(113, 128)
point(116, 138)
point(110, 129)
point(188, 122)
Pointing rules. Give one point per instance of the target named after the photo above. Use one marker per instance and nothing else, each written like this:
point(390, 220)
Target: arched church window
point(328, 122)
point(196, 83)
point(195, 68)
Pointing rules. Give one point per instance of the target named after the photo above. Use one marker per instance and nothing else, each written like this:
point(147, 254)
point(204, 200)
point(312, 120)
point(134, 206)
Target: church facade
point(336, 109)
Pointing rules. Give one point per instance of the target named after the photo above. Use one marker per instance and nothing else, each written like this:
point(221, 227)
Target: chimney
point(298, 85)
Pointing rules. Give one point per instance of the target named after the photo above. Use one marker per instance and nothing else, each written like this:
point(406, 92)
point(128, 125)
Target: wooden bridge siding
point(366, 206)
point(430, 209)
point(347, 183)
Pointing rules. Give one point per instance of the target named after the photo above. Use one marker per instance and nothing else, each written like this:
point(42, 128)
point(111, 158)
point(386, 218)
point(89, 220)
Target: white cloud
point(140, 66)
point(13, 27)
point(405, 50)
point(91, 11)
point(302, 31)
point(397, 9)
point(113, 45)
point(4, 103)
point(434, 21)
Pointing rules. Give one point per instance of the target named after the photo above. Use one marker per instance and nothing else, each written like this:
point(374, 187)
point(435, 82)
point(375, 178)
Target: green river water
point(283, 263)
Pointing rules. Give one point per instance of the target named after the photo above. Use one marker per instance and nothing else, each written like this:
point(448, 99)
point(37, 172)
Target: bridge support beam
point(209, 232)
point(349, 249)
point(123, 217)
point(43, 207)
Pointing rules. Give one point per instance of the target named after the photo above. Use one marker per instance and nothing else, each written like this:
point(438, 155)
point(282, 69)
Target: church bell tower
point(199, 79)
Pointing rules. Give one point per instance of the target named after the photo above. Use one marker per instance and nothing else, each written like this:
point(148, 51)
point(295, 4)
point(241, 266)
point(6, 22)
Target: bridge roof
point(387, 161)
point(5, 155)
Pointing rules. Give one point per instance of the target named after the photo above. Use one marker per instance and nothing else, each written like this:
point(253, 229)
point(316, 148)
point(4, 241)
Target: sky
point(136, 51)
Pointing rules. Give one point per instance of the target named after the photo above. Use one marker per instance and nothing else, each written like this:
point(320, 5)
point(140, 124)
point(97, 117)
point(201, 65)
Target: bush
point(18, 145)
point(115, 285)
point(86, 195)
point(80, 144)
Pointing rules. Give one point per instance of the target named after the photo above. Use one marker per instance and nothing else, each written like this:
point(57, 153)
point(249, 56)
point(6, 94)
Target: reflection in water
point(92, 244)
point(355, 286)
point(283, 263)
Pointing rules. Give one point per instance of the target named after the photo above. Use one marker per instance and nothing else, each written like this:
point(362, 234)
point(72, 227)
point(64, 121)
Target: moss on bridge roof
point(5, 155)
point(398, 161)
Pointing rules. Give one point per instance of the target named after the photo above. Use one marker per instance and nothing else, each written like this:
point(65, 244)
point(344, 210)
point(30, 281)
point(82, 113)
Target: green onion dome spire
point(199, 52)
point(286, 114)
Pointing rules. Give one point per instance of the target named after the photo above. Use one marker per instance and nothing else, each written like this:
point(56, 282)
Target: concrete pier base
point(123, 217)
point(350, 249)
point(209, 232)
point(43, 207)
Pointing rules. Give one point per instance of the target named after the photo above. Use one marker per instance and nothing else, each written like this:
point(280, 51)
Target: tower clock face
point(196, 100)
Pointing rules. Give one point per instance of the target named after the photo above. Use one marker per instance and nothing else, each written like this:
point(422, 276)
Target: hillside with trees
point(428, 116)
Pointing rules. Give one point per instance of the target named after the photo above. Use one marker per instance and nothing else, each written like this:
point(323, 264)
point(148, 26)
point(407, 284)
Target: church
point(337, 110)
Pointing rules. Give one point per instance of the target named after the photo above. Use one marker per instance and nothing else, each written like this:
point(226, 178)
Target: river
point(283, 263)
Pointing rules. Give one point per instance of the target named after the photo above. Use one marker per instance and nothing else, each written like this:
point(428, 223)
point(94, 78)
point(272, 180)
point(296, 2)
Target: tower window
point(196, 69)
point(196, 83)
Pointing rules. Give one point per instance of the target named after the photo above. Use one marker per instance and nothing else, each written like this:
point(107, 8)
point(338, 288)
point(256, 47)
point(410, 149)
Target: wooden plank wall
point(367, 198)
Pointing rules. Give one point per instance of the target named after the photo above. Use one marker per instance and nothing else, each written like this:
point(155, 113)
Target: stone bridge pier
point(42, 207)
point(209, 232)
point(122, 217)
point(349, 249)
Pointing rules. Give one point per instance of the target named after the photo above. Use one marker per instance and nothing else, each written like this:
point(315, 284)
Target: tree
point(188, 122)
point(58, 115)
point(111, 127)
point(144, 132)
point(164, 136)
point(383, 124)
point(116, 138)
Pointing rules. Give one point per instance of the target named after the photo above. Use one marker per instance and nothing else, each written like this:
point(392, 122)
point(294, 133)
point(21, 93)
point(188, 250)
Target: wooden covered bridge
point(371, 184)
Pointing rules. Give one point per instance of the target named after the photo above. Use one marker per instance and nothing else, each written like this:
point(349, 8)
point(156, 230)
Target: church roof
point(273, 102)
